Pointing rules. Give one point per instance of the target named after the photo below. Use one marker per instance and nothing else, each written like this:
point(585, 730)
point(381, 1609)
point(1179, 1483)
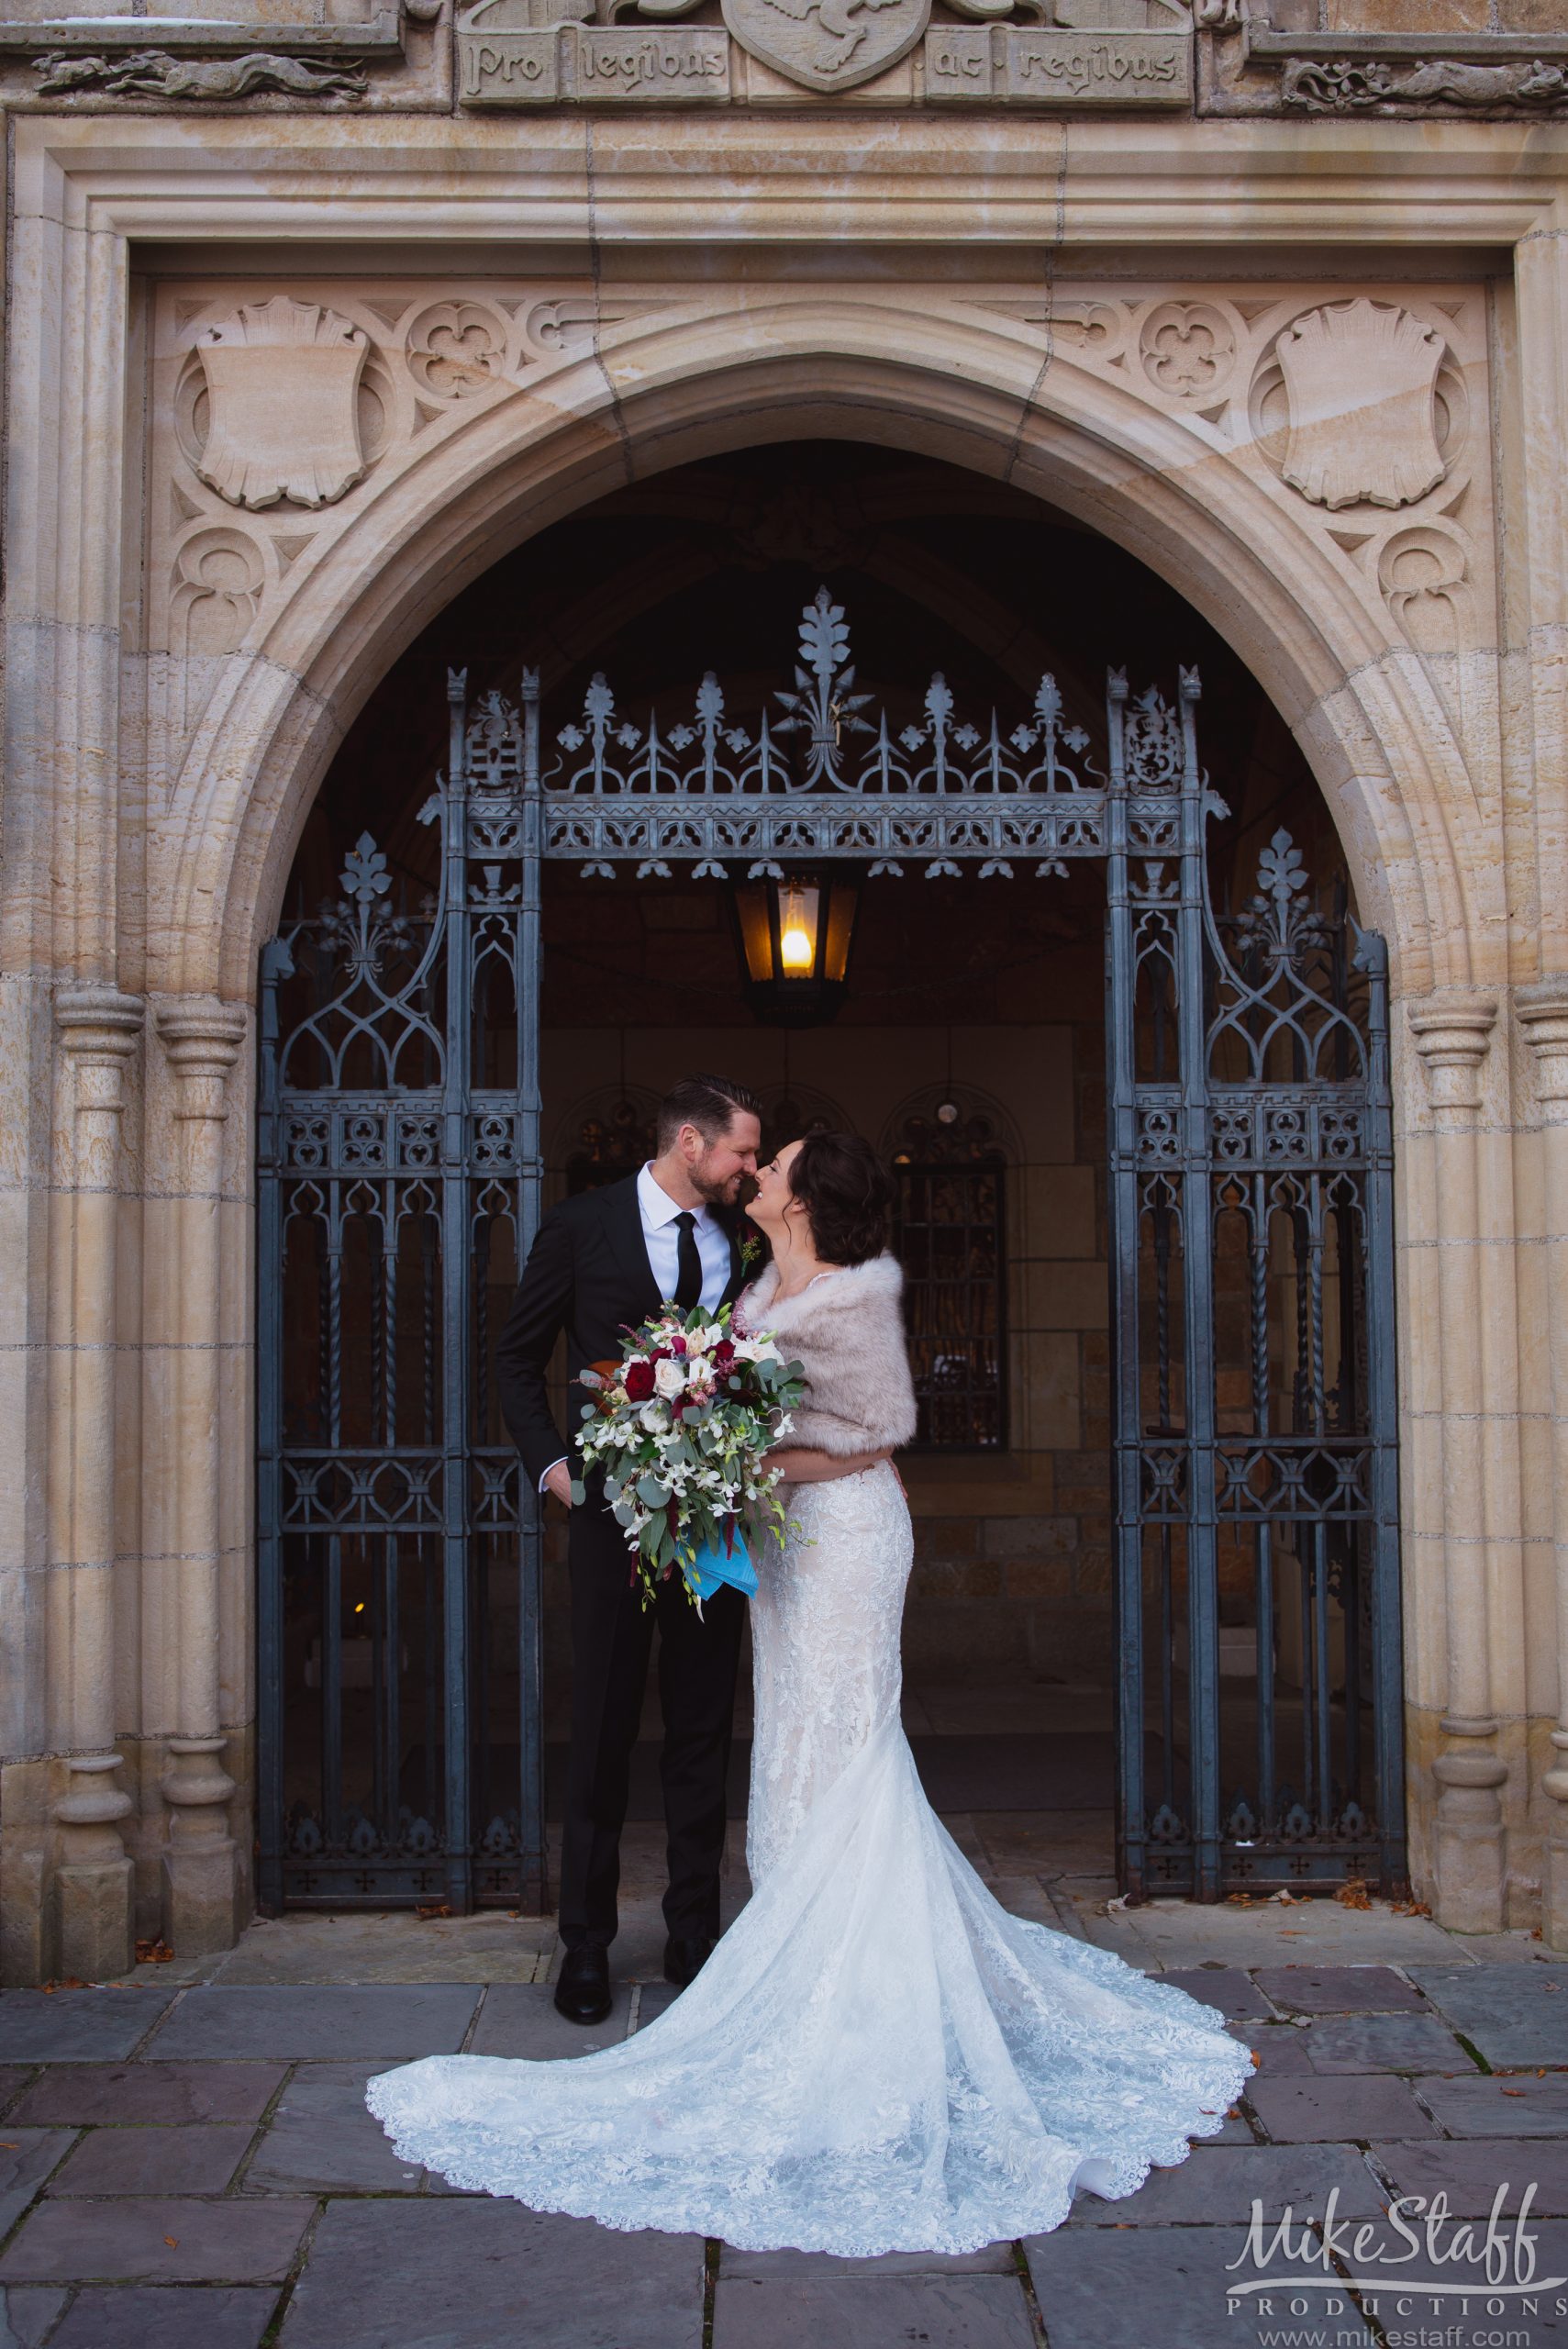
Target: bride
point(877, 2057)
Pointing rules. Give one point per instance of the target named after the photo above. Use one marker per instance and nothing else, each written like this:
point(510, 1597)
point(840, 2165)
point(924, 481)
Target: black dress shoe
point(583, 1992)
point(685, 1959)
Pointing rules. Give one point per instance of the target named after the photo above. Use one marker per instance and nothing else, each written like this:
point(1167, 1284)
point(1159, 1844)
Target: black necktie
point(688, 1262)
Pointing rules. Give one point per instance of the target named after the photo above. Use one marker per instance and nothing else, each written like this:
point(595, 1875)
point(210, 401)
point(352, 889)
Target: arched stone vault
point(968, 387)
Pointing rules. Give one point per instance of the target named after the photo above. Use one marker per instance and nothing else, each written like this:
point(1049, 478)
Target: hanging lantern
point(795, 942)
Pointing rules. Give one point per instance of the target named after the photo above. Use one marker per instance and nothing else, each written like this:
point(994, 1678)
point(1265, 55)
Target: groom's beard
point(719, 1195)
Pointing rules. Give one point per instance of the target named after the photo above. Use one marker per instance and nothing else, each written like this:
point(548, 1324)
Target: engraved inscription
point(1041, 65)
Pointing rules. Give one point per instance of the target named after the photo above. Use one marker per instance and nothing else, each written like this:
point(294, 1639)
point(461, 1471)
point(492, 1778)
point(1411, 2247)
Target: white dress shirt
point(662, 1241)
point(661, 1237)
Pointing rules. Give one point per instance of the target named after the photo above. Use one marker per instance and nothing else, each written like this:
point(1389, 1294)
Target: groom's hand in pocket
point(557, 1480)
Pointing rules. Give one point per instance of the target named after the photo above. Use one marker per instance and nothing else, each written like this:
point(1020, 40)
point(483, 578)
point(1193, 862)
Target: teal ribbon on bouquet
point(721, 1562)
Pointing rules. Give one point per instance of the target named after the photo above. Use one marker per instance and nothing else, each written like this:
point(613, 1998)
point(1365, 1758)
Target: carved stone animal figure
point(153, 73)
point(835, 18)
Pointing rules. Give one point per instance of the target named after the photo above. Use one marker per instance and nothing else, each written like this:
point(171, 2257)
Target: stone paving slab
point(793, 2266)
point(1381, 2043)
point(27, 2311)
point(1470, 2170)
point(481, 2273)
point(1519, 2106)
point(12, 2077)
point(1514, 2014)
point(1228, 1988)
point(1216, 2184)
point(76, 2026)
point(1319, 1932)
point(84, 2094)
point(158, 2240)
point(1281, 2049)
point(873, 2312)
point(323, 2140)
point(26, 2158)
point(167, 2316)
point(337, 2022)
point(1330, 2110)
point(1090, 2301)
point(520, 2019)
point(1339, 1989)
point(139, 2160)
point(489, 1946)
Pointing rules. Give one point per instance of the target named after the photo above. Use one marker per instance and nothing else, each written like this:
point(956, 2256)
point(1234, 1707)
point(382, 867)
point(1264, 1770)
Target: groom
point(604, 1261)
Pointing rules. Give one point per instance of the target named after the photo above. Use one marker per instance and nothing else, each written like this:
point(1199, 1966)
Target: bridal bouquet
point(680, 1426)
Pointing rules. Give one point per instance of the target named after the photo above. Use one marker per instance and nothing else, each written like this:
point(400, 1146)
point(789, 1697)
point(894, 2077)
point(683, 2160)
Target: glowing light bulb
point(795, 949)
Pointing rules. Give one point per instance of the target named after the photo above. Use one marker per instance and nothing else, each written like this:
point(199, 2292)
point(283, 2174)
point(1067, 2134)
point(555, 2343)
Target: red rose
point(724, 1355)
point(640, 1382)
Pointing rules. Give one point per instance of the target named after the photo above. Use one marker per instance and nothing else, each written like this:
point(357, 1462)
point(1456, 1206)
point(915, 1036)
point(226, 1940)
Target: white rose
point(699, 1341)
point(669, 1377)
point(654, 1417)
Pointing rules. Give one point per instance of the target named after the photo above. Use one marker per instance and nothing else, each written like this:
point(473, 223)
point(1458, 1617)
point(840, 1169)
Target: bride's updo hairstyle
point(846, 1192)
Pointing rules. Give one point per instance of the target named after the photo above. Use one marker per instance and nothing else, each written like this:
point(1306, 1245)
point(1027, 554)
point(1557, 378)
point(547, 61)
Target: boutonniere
point(750, 1246)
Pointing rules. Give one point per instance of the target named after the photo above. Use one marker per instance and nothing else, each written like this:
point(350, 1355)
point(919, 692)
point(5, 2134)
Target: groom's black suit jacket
point(587, 1273)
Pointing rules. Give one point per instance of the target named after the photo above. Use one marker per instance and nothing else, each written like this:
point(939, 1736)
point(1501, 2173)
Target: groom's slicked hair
point(706, 1102)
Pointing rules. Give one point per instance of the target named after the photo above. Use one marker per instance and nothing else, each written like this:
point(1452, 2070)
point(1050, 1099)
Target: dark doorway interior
point(971, 1046)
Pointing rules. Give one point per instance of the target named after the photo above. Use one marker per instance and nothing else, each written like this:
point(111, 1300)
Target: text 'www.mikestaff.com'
point(1417, 2277)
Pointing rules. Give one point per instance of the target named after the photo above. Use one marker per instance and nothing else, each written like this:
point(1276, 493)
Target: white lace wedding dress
point(877, 2057)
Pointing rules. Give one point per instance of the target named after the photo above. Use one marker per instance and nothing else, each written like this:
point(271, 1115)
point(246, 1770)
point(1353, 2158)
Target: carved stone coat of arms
point(827, 44)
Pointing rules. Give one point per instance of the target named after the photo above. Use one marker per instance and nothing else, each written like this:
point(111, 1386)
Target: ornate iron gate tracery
point(1251, 1218)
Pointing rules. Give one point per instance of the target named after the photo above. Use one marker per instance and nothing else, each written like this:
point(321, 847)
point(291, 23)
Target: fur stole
point(846, 1328)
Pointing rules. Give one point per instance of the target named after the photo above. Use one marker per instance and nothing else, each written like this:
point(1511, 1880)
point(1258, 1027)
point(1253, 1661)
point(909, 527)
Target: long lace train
point(877, 2057)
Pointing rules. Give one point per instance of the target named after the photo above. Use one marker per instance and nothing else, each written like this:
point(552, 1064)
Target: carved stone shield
point(1361, 378)
point(282, 381)
point(827, 45)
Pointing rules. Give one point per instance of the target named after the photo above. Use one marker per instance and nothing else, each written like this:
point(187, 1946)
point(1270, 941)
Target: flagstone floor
point(186, 2163)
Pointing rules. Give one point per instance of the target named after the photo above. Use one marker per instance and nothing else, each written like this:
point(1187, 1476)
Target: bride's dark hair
point(846, 1192)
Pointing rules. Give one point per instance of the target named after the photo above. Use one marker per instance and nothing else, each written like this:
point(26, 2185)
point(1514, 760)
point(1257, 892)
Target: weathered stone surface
point(1218, 2184)
point(1094, 2300)
point(324, 2140)
point(1228, 1988)
point(158, 2240)
point(77, 2026)
point(520, 2019)
point(1470, 2171)
point(81, 2094)
point(1322, 2112)
point(139, 2160)
point(1514, 2014)
point(959, 2311)
point(564, 2283)
point(27, 2156)
point(1519, 2106)
point(1338, 1989)
point(322, 2021)
point(12, 2077)
point(1281, 2049)
point(27, 2311)
point(1381, 2043)
point(167, 2316)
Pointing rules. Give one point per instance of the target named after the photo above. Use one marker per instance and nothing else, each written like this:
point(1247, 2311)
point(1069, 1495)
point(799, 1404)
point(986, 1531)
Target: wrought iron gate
point(1251, 1216)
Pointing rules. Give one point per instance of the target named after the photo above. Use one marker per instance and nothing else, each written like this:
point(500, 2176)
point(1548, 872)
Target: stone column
point(1543, 1013)
point(94, 1915)
point(202, 1038)
point(1452, 1039)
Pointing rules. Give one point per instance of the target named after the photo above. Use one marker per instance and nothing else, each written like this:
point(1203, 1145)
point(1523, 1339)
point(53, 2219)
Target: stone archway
point(1254, 558)
point(1374, 644)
